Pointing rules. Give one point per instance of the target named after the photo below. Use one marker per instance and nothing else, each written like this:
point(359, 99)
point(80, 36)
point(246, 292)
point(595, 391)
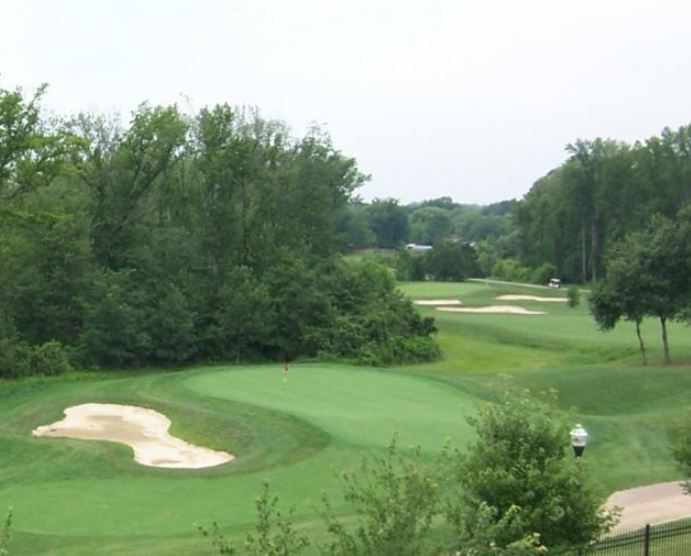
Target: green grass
point(77, 497)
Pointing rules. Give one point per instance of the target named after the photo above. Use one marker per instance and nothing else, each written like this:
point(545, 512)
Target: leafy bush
point(520, 473)
point(50, 358)
point(14, 358)
point(681, 449)
point(372, 322)
point(573, 296)
point(543, 273)
point(450, 260)
point(395, 497)
point(5, 534)
point(274, 534)
point(510, 270)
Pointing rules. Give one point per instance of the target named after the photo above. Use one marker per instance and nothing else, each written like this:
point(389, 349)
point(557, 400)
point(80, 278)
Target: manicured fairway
point(320, 422)
point(75, 497)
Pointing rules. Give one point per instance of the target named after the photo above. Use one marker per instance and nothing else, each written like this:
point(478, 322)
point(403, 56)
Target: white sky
point(473, 99)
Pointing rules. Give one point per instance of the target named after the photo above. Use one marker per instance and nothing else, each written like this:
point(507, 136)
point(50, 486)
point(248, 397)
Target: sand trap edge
point(144, 430)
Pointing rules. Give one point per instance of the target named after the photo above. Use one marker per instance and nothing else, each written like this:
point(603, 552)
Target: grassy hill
point(75, 497)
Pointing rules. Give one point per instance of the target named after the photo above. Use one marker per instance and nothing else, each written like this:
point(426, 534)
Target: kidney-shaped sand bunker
point(145, 430)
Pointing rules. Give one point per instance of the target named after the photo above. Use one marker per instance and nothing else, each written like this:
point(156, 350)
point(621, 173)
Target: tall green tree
point(451, 260)
point(388, 222)
point(33, 150)
point(122, 170)
point(429, 224)
point(648, 276)
point(520, 471)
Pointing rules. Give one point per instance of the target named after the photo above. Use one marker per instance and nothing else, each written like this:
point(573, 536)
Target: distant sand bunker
point(496, 309)
point(511, 297)
point(436, 302)
point(145, 430)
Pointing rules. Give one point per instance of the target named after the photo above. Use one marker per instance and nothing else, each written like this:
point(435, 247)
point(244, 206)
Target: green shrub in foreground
point(521, 471)
point(516, 492)
point(273, 534)
point(5, 534)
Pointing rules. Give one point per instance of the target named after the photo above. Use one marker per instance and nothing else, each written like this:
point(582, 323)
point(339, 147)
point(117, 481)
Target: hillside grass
point(75, 497)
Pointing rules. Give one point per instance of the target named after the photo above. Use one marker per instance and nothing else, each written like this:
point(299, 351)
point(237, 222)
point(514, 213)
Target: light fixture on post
point(579, 438)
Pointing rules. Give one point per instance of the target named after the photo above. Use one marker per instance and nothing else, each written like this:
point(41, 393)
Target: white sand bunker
point(512, 297)
point(495, 309)
point(145, 430)
point(436, 302)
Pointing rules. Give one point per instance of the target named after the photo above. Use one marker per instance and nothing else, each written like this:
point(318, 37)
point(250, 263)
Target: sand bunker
point(145, 430)
point(512, 297)
point(436, 302)
point(495, 309)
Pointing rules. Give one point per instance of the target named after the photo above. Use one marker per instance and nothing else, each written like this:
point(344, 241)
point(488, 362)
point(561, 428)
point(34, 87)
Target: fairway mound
point(145, 430)
point(436, 302)
point(493, 309)
point(514, 297)
point(651, 504)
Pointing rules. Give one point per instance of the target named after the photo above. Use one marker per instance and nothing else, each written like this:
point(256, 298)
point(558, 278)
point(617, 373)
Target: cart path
point(652, 504)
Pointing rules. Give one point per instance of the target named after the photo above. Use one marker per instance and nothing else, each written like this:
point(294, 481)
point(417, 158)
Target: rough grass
point(76, 497)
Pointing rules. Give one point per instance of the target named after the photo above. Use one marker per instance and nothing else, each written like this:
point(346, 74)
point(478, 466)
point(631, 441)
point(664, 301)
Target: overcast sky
point(472, 99)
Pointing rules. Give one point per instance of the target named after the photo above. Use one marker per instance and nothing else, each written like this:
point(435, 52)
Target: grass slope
point(76, 497)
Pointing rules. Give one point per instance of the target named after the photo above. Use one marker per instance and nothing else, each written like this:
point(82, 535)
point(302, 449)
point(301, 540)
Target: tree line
point(605, 190)
point(174, 238)
point(564, 226)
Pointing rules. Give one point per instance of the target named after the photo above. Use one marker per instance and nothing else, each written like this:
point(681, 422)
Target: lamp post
point(579, 438)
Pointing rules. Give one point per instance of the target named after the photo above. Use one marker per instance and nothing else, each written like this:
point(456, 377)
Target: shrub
point(395, 496)
point(274, 534)
point(543, 273)
point(50, 358)
point(5, 534)
point(681, 449)
point(510, 270)
point(573, 296)
point(14, 358)
point(520, 473)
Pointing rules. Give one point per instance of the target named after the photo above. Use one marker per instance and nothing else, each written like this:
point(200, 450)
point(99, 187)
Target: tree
point(450, 260)
point(668, 251)
point(5, 534)
point(122, 170)
point(520, 472)
point(681, 449)
point(648, 275)
point(33, 151)
point(388, 222)
point(395, 497)
point(429, 224)
point(619, 294)
point(354, 227)
point(46, 262)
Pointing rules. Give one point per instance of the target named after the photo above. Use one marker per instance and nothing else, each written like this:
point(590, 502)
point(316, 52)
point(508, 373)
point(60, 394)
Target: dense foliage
point(520, 474)
point(563, 227)
point(649, 275)
point(681, 448)
point(604, 191)
point(5, 534)
point(177, 238)
point(515, 492)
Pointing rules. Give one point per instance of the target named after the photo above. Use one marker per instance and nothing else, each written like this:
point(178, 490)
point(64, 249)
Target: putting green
point(362, 407)
point(75, 497)
point(359, 410)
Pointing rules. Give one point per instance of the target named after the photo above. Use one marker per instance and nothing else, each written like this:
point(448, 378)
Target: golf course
point(299, 429)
